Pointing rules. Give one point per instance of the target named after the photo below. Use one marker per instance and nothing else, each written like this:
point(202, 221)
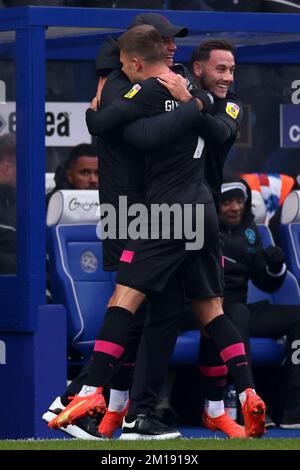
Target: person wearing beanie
point(245, 259)
point(141, 53)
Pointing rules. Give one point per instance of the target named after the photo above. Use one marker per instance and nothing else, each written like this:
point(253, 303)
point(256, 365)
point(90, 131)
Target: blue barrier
point(32, 372)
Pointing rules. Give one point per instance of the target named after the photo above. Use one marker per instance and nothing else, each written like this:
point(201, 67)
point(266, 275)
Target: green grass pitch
point(176, 444)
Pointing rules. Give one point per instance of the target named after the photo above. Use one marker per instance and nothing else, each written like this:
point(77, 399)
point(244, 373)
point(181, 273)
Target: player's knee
point(208, 309)
point(127, 298)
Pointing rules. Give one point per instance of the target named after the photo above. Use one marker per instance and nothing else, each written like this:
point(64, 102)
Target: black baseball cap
point(159, 22)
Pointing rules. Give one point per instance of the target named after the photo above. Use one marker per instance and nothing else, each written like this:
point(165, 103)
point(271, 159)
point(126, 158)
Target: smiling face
point(170, 49)
point(216, 73)
point(232, 210)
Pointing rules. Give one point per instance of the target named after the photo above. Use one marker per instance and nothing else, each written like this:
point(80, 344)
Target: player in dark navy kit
point(176, 177)
point(148, 62)
point(120, 172)
point(213, 69)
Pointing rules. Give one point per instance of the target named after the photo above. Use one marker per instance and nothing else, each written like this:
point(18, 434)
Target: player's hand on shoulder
point(177, 86)
point(205, 97)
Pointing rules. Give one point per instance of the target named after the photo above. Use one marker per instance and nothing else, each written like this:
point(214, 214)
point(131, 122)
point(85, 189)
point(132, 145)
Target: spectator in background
point(244, 259)
point(80, 171)
point(8, 204)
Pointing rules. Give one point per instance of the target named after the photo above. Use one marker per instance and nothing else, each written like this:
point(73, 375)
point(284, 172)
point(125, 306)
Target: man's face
point(232, 210)
point(84, 173)
point(170, 49)
point(216, 74)
point(132, 67)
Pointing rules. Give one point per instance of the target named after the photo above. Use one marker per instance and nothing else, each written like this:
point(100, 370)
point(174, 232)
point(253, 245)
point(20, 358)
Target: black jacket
point(244, 259)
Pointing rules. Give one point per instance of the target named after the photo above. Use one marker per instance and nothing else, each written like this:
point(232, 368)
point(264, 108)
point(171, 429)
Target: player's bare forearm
point(97, 99)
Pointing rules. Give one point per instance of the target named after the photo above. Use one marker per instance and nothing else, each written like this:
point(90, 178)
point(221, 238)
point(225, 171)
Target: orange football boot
point(78, 407)
point(254, 412)
point(111, 421)
point(225, 424)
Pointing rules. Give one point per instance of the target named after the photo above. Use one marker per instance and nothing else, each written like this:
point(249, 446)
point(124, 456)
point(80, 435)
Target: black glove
point(206, 97)
point(274, 258)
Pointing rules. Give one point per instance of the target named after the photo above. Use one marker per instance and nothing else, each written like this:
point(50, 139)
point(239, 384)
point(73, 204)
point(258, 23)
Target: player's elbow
point(90, 122)
point(220, 136)
point(92, 130)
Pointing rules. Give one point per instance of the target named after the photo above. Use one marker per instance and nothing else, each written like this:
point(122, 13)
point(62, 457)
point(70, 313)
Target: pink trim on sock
point(108, 348)
point(127, 256)
point(234, 350)
point(129, 364)
point(223, 261)
point(245, 363)
point(213, 371)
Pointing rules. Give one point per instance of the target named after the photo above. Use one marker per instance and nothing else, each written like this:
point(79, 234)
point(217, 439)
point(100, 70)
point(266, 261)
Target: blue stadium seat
point(289, 232)
point(290, 243)
point(79, 283)
point(264, 351)
point(289, 292)
point(268, 351)
point(187, 348)
point(75, 260)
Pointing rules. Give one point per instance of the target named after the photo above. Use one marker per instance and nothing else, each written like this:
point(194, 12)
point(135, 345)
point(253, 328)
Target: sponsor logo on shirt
point(134, 90)
point(232, 109)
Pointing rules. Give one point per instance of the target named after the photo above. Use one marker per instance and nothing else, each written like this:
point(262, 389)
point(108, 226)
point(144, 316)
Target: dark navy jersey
point(121, 169)
point(230, 110)
point(121, 166)
point(176, 173)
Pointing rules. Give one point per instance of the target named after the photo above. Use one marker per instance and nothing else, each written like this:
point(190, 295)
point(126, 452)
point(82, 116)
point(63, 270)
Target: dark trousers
point(156, 346)
point(150, 345)
point(262, 319)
